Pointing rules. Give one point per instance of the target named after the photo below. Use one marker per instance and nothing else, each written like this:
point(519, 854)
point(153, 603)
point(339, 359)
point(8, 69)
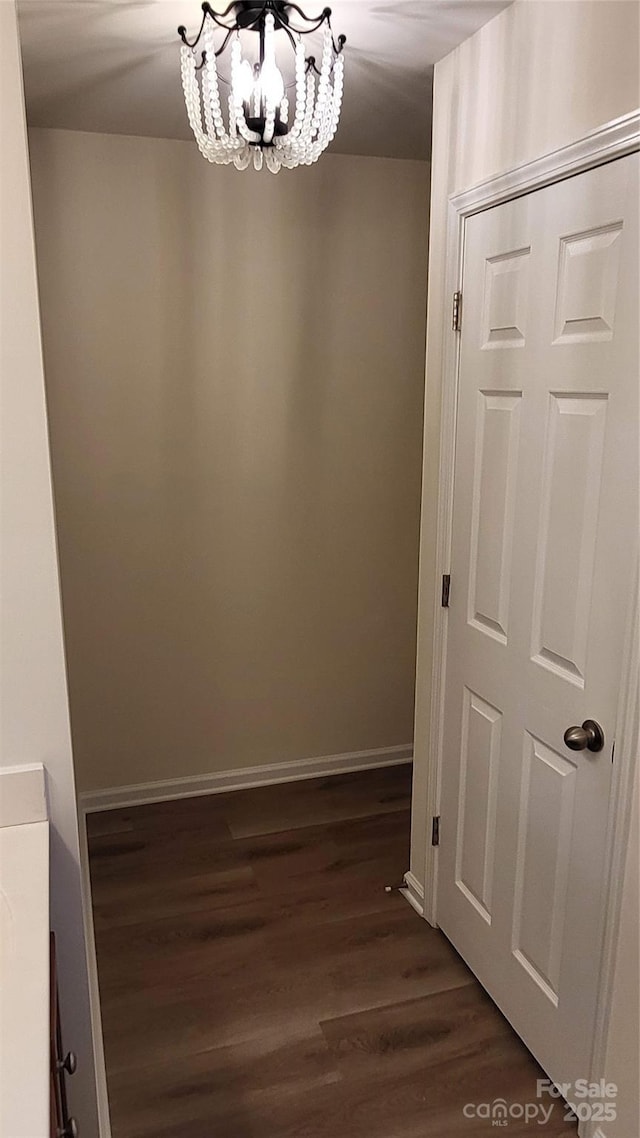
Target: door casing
point(611, 141)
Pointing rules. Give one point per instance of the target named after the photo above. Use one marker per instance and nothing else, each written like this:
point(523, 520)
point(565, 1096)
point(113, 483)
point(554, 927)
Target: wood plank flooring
point(257, 982)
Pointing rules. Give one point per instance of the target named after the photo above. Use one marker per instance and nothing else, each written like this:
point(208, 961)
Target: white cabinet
point(24, 966)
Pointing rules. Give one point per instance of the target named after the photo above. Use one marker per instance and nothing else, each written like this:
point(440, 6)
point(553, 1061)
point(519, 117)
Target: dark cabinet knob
point(70, 1129)
point(69, 1063)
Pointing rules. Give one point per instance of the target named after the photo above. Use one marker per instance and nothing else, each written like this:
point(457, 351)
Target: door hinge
point(456, 314)
point(446, 589)
point(435, 830)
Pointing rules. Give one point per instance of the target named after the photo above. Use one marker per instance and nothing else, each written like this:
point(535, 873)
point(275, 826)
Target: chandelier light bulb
point(271, 84)
point(269, 122)
point(243, 82)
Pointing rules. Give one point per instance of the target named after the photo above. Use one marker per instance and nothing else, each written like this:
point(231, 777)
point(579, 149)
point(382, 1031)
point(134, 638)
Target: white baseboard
point(413, 893)
point(113, 798)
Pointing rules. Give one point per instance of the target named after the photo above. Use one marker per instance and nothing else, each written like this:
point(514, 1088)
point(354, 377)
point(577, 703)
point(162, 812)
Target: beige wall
point(34, 720)
point(539, 76)
point(234, 368)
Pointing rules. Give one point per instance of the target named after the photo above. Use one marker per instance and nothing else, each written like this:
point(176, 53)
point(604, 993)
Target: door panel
point(506, 291)
point(493, 511)
point(480, 756)
point(543, 546)
point(588, 284)
point(544, 832)
point(571, 484)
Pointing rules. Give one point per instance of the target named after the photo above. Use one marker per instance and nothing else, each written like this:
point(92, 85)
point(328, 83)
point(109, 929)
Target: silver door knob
point(589, 737)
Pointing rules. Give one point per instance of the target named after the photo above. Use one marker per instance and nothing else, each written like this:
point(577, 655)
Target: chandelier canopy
point(262, 124)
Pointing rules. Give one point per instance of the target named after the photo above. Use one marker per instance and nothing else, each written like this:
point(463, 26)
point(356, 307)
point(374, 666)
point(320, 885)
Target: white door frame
point(613, 140)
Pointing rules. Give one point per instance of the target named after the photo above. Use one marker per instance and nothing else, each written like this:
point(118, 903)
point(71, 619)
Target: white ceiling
point(112, 65)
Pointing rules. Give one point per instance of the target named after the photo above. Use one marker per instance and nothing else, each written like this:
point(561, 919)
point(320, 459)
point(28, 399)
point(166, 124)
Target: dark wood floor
point(257, 982)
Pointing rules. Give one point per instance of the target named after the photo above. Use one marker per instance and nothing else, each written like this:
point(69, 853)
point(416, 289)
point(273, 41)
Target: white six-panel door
point(544, 540)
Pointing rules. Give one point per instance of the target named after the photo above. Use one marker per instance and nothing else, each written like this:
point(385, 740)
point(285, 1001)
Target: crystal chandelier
point(262, 126)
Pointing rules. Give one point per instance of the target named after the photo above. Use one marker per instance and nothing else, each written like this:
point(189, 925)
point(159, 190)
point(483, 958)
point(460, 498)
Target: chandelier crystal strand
point(334, 102)
point(268, 89)
point(192, 98)
point(212, 96)
point(273, 161)
point(262, 128)
point(246, 134)
point(233, 126)
point(323, 82)
point(301, 91)
point(331, 114)
point(308, 118)
point(209, 86)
